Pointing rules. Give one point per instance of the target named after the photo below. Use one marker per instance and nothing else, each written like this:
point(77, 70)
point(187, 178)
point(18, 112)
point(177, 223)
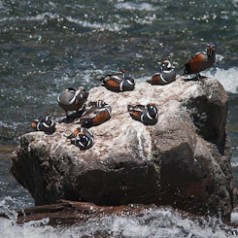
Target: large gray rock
point(182, 161)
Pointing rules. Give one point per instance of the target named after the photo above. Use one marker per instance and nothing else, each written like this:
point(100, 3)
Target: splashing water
point(154, 223)
point(227, 77)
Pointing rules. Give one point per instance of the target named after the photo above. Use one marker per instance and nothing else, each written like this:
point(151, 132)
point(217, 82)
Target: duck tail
point(100, 78)
point(184, 69)
point(130, 107)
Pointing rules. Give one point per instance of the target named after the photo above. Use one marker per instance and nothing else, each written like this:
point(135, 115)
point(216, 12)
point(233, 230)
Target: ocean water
point(46, 46)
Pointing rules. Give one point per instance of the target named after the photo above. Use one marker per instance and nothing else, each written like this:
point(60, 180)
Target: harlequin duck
point(166, 76)
point(119, 81)
point(147, 114)
point(44, 123)
point(200, 61)
point(97, 113)
point(82, 138)
point(71, 99)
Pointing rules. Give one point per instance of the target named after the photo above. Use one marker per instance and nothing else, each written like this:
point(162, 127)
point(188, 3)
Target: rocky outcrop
point(182, 161)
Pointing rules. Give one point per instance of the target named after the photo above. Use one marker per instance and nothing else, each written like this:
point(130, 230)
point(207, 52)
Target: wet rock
point(182, 161)
point(65, 212)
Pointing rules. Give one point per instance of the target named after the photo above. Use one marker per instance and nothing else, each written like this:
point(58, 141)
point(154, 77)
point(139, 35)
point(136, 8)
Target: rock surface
point(182, 161)
point(66, 212)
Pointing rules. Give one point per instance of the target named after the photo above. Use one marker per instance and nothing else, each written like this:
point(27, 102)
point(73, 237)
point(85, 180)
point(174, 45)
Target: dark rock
point(182, 161)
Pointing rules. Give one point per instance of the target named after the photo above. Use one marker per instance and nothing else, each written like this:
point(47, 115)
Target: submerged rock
point(182, 161)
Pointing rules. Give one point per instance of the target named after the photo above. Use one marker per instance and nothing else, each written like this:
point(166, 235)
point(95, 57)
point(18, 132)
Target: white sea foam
point(234, 163)
point(235, 2)
point(156, 223)
point(135, 6)
point(44, 17)
point(13, 125)
point(234, 217)
point(227, 77)
point(1, 5)
point(147, 20)
point(106, 26)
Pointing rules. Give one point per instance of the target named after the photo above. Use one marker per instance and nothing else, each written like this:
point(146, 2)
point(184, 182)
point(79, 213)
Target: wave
point(135, 6)
point(155, 223)
point(110, 27)
point(227, 77)
point(44, 18)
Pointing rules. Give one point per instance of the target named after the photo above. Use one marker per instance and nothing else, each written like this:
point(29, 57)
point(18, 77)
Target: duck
point(166, 75)
point(97, 112)
point(82, 138)
point(200, 61)
point(72, 99)
point(119, 81)
point(147, 114)
point(44, 123)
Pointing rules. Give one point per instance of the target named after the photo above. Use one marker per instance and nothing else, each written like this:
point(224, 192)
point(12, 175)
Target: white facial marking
point(169, 64)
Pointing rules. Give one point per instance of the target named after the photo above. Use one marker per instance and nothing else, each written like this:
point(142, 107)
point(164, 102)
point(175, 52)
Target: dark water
point(46, 46)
